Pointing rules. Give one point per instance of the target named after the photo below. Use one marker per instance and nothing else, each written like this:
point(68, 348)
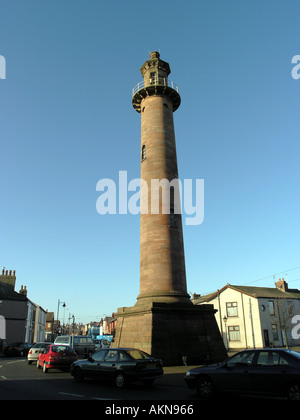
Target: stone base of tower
point(171, 332)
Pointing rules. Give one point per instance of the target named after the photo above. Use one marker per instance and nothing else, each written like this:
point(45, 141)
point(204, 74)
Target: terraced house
point(254, 317)
point(22, 319)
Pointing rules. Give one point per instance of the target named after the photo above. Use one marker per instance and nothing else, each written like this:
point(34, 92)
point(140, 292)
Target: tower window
point(144, 152)
point(152, 78)
point(172, 221)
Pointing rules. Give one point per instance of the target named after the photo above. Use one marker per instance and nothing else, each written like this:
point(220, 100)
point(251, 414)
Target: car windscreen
point(62, 340)
point(40, 345)
point(62, 349)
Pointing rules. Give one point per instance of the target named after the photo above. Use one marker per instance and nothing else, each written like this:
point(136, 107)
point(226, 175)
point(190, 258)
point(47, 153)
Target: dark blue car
point(256, 371)
point(119, 365)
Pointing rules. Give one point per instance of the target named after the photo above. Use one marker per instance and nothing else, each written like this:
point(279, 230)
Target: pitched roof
point(256, 292)
point(7, 292)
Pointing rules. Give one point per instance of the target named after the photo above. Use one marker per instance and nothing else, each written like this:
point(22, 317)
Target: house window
point(231, 308)
point(234, 333)
point(275, 332)
point(271, 307)
point(143, 152)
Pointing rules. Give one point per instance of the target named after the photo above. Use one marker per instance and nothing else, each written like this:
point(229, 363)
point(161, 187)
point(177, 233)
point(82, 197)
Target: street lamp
point(226, 340)
point(63, 305)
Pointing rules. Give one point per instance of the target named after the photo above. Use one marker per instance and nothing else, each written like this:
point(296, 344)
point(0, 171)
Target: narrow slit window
point(143, 152)
point(172, 220)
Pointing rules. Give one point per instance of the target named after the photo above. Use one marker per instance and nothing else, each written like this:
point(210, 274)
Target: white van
point(82, 344)
point(101, 344)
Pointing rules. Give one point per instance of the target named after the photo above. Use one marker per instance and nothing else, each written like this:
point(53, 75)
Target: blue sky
point(67, 122)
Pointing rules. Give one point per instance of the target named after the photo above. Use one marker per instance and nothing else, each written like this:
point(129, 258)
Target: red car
point(56, 356)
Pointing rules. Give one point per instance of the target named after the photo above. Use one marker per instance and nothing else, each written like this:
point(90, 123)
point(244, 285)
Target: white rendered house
point(256, 317)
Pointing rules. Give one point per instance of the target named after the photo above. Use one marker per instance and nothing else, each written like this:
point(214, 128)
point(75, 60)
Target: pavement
point(174, 375)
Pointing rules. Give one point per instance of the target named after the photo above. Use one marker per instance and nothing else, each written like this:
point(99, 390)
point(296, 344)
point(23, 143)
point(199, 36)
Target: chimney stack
point(282, 285)
point(8, 277)
point(23, 291)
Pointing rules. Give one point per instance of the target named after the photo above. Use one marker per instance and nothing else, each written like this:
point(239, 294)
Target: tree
point(286, 312)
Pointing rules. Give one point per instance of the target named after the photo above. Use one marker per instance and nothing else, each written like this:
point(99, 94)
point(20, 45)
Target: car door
point(43, 354)
point(234, 375)
point(110, 363)
point(92, 366)
point(269, 372)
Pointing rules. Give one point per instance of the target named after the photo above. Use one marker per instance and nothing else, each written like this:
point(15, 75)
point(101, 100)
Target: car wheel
point(29, 362)
point(78, 375)
point(293, 392)
point(205, 388)
point(45, 369)
point(120, 380)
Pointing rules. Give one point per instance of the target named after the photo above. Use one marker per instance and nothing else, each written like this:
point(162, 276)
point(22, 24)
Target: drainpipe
point(242, 298)
point(251, 319)
point(220, 313)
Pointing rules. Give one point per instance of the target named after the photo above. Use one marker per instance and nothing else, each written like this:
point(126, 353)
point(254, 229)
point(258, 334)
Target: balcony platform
point(161, 87)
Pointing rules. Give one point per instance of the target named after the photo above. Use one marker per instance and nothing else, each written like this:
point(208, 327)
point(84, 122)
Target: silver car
point(35, 351)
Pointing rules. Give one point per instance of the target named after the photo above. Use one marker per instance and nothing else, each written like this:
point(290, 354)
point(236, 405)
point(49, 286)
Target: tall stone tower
point(162, 265)
point(163, 322)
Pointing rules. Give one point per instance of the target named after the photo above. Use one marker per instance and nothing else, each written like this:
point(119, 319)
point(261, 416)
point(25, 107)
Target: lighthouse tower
point(162, 264)
point(163, 322)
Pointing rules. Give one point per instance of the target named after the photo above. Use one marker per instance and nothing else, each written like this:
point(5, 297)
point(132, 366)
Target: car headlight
point(188, 373)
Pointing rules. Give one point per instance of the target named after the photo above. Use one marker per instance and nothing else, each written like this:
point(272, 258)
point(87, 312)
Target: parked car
point(82, 344)
point(120, 365)
point(257, 371)
point(35, 351)
point(101, 344)
point(57, 357)
point(17, 349)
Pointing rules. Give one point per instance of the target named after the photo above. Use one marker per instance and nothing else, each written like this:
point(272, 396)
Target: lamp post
point(226, 338)
point(65, 308)
point(63, 305)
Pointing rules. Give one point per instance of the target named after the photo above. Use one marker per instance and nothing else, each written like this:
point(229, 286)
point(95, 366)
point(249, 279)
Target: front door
point(266, 338)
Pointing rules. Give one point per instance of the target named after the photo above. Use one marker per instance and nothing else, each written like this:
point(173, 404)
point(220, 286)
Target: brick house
point(49, 330)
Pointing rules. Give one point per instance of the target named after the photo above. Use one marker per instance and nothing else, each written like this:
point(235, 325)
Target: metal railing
point(154, 82)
